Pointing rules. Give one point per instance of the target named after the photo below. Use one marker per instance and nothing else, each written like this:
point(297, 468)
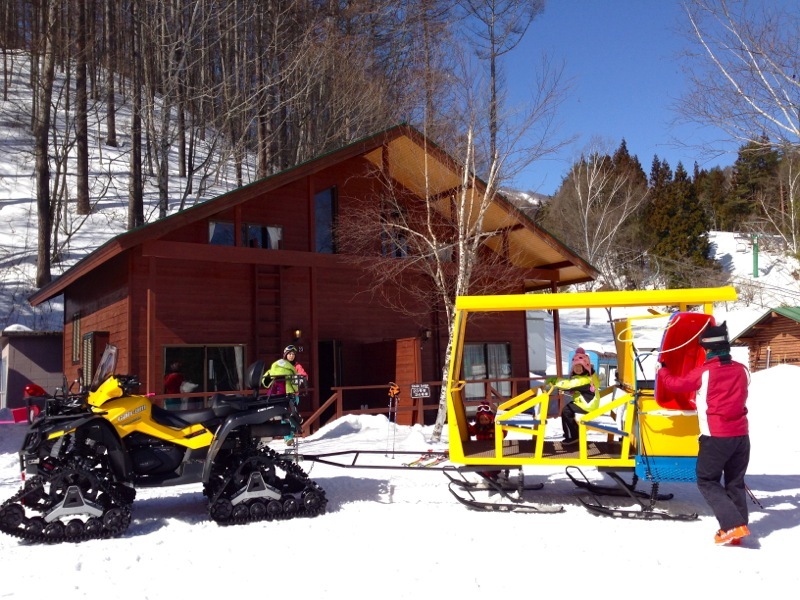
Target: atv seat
point(223, 405)
point(181, 418)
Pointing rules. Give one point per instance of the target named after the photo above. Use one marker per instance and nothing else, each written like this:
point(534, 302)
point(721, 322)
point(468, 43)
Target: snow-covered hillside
point(776, 284)
point(77, 235)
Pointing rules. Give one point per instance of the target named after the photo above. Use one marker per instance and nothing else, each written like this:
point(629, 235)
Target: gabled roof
point(789, 312)
point(402, 150)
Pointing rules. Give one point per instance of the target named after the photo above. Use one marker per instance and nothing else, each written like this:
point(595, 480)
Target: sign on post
point(420, 390)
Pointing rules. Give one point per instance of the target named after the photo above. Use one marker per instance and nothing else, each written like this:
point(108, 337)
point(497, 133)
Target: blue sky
point(622, 59)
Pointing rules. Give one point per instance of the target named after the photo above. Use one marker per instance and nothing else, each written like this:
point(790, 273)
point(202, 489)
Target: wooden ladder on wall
point(267, 312)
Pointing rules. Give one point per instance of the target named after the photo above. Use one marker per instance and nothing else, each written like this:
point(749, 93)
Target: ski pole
point(753, 497)
point(394, 392)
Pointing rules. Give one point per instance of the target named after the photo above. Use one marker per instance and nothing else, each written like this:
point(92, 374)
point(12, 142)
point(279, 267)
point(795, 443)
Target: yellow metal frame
point(511, 411)
point(515, 407)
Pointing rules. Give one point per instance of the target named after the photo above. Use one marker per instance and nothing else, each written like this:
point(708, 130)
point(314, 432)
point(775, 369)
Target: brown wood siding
point(195, 303)
point(103, 303)
point(287, 207)
point(174, 289)
point(775, 341)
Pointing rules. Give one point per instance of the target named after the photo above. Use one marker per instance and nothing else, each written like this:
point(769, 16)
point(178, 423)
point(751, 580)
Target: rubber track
point(298, 477)
point(26, 530)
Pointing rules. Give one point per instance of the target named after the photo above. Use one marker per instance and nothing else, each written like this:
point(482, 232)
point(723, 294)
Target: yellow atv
point(84, 456)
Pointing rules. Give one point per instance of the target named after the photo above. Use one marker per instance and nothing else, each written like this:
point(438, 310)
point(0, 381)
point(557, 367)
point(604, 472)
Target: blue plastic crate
point(666, 468)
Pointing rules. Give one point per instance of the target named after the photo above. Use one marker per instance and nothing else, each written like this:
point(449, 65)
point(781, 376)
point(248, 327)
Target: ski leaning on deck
point(462, 490)
point(428, 459)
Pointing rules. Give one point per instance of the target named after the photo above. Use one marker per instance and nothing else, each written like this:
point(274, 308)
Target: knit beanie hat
point(581, 358)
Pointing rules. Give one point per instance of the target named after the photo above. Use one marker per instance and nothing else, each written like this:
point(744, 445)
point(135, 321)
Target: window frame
point(227, 238)
point(330, 226)
point(490, 368)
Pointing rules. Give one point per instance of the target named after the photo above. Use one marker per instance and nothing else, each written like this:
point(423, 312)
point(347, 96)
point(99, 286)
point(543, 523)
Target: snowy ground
point(399, 534)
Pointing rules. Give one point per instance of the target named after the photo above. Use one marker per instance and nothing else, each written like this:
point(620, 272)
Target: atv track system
point(263, 487)
point(73, 503)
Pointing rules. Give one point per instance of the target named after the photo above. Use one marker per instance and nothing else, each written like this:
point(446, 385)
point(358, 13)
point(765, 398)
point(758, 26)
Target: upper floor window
point(262, 236)
point(394, 241)
point(394, 244)
point(324, 216)
point(221, 233)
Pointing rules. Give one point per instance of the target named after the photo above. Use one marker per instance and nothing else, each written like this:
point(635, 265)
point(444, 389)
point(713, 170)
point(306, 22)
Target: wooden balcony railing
point(423, 410)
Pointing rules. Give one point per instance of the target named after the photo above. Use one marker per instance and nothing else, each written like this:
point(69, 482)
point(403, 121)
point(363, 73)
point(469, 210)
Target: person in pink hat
point(584, 386)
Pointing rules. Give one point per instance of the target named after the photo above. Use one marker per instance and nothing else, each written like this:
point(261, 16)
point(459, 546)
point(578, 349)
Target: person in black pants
point(721, 385)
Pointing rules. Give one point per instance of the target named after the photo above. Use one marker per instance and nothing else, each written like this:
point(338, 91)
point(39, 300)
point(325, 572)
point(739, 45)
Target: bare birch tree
point(743, 77)
point(435, 246)
point(593, 208)
point(136, 184)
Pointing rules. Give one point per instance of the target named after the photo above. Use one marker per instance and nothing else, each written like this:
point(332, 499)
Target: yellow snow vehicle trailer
point(629, 432)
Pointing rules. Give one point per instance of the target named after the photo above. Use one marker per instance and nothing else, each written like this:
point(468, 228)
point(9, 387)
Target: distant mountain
point(528, 202)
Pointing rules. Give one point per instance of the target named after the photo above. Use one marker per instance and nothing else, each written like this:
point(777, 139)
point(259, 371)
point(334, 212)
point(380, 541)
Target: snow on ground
point(393, 534)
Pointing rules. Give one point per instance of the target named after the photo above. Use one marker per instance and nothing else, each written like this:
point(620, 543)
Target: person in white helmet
point(280, 376)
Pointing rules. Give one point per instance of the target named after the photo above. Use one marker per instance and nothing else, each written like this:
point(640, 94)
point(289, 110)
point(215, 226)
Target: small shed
point(773, 339)
point(28, 357)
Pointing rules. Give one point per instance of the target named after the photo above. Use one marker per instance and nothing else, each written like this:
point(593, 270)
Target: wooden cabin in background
point(237, 278)
point(774, 338)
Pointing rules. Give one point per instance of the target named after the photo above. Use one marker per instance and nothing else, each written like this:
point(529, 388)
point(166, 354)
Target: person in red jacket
point(721, 385)
point(483, 426)
point(483, 429)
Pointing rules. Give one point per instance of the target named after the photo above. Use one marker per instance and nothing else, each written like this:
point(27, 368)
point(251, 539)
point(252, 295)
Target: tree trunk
point(111, 64)
point(41, 133)
point(81, 117)
point(135, 189)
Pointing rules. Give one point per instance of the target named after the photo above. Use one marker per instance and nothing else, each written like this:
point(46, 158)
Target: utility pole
point(755, 256)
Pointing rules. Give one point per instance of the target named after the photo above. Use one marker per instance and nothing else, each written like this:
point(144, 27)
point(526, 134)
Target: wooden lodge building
point(773, 339)
point(238, 277)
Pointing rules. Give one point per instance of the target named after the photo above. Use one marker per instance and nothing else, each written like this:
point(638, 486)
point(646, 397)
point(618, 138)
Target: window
point(190, 369)
point(210, 368)
point(324, 214)
point(76, 338)
point(93, 345)
point(254, 235)
point(262, 236)
point(221, 233)
point(394, 241)
point(487, 361)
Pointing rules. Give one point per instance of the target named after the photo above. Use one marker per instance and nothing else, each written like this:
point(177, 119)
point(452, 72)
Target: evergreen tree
point(681, 228)
point(755, 185)
point(713, 190)
point(656, 219)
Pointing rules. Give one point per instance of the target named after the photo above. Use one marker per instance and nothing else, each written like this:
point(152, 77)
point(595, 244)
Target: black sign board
point(420, 390)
